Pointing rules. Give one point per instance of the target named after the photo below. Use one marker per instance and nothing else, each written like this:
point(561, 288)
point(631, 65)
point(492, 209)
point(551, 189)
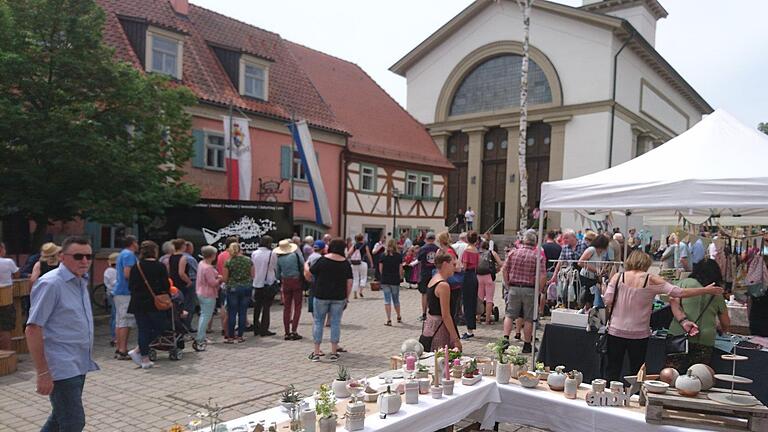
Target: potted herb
point(503, 369)
point(518, 360)
point(290, 397)
point(325, 404)
point(339, 385)
point(422, 371)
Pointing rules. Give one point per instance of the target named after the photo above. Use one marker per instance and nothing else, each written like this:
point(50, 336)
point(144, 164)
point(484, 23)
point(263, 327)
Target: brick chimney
point(181, 7)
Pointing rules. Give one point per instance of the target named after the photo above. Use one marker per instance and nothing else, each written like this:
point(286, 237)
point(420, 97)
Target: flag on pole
point(306, 148)
point(238, 158)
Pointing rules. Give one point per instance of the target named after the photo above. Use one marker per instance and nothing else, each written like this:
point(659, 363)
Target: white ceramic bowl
point(656, 386)
point(528, 379)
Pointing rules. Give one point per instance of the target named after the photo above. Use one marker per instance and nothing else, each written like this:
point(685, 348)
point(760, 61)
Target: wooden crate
point(701, 412)
point(19, 344)
point(21, 287)
point(8, 362)
point(21, 318)
point(6, 295)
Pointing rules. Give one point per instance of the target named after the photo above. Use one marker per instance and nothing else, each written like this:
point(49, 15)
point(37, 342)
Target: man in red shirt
point(519, 273)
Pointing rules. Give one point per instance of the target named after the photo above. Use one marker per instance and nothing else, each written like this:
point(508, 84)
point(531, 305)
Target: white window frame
point(415, 183)
point(153, 32)
point(207, 145)
point(297, 168)
point(425, 180)
point(247, 60)
point(372, 173)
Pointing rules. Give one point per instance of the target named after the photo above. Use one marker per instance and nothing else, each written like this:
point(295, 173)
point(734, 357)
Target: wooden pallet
point(6, 295)
point(8, 362)
point(21, 318)
point(701, 412)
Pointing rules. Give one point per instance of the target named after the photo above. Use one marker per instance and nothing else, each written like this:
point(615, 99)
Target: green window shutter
point(286, 160)
point(198, 157)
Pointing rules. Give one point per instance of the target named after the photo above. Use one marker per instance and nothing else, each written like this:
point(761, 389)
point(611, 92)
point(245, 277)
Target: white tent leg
point(626, 238)
point(536, 289)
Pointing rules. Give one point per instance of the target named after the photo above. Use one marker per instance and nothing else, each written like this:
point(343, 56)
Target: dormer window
point(254, 77)
point(165, 52)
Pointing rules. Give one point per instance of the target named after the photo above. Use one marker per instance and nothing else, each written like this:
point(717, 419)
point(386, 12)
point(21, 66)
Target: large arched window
point(495, 84)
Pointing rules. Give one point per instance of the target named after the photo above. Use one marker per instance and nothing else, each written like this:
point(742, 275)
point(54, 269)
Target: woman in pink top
point(629, 326)
point(207, 288)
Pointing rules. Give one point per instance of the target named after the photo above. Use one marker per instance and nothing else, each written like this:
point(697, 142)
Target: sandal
point(333, 357)
point(399, 319)
point(240, 339)
point(340, 349)
point(389, 323)
point(229, 341)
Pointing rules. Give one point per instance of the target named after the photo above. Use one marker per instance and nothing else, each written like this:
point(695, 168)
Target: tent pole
point(537, 287)
point(626, 230)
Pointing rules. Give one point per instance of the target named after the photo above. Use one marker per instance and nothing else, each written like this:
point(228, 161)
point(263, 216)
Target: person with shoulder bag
point(290, 272)
point(265, 285)
point(439, 328)
point(486, 276)
point(150, 300)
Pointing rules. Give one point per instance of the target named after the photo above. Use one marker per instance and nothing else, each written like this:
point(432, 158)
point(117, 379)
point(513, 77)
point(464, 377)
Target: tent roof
point(718, 167)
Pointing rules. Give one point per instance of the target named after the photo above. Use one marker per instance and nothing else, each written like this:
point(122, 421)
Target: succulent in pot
point(339, 385)
point(290, 397)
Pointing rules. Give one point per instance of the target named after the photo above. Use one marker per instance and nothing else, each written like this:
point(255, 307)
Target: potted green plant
point(325, 405)
point(339, 385)
point(518, 360)
point(422, 371)
point(290, 397)
point(503, 369)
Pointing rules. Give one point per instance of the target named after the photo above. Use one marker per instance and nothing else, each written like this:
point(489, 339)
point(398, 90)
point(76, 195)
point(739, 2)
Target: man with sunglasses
point(60, 335)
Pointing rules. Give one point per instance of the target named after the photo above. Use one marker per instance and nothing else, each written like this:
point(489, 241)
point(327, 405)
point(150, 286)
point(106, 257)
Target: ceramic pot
point(437, 392)
point(617, 386)
point(556, 379)
point(688, 384)
point(579, 377)
point(355, 416)
point(308, 419)
point(704, 373)
point(327, 424)
point(411, 392)
point(389, 403)
point(424, 384)
point(528, 379)
point(340, 389)
point(448, 387)
point(598, 385)
point(503, 373)
point(517, 370)
point(422, 375)
point(669, 376)
point(570, 386)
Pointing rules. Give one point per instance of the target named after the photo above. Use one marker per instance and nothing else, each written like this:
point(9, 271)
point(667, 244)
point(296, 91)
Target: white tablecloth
point(477, 402)
point(553, 411)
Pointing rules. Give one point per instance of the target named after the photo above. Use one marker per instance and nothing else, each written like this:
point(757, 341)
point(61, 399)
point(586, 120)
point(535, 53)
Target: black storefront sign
point(210, 222)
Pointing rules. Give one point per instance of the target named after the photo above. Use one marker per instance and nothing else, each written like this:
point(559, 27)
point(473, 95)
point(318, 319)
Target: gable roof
point(291, 93)
point(604, 6)
point(622, 28)
point(380, 127)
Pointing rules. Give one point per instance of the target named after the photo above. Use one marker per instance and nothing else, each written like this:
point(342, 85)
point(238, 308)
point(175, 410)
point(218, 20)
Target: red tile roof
point(291, 93)
point(380, 127)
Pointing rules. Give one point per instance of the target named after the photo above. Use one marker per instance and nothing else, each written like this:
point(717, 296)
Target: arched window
point(495, 84)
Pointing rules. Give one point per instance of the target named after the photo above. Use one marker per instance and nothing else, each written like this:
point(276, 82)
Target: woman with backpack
point(486, 277)
point(359, 255)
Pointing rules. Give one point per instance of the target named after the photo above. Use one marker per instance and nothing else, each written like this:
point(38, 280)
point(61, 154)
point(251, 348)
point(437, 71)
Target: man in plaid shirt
point(572, 250)
point(519, 273)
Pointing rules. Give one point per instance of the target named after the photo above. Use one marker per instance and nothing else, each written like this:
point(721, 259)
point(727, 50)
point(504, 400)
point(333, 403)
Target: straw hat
point(49, 249)
point(285, 247)
point(112, 259)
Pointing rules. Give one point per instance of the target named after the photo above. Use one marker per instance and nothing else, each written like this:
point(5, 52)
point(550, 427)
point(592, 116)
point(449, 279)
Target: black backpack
point(486, 265)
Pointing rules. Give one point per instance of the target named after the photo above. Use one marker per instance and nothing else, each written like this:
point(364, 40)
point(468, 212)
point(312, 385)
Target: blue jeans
point(112, 315)
point(391, 294)
point(237, 306)
point(67, 414)
point(207, 304)
point(150, 326)
point(323, 308)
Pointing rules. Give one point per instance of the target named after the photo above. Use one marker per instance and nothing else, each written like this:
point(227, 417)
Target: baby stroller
point(173, 338)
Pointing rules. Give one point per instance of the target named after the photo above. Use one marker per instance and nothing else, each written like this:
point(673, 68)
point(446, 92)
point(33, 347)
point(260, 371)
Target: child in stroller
point(173, 338)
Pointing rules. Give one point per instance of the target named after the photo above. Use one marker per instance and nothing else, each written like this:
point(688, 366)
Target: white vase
point(517, 370)
point(327, 424)
point(556, 379)
point(308, 419)
point(503, 373)
point(340, 389)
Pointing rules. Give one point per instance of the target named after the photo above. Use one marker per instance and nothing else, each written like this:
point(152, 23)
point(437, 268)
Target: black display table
point(574, 348)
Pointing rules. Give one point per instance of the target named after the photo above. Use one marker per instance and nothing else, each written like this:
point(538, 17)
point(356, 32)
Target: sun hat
point(49, 250)
point(285, 247)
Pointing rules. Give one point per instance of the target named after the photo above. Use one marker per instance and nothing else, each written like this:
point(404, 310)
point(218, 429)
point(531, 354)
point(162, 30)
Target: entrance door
point(458, 154)
point(494, 173)
point(537, 162)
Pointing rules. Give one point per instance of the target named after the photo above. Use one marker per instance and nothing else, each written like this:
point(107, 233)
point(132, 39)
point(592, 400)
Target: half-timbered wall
point(370, 201)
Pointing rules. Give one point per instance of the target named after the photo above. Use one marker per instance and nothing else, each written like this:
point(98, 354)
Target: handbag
point(162, 301)
point(679, 344)
point(270, 289)
point(426, 341)
point(601, 344)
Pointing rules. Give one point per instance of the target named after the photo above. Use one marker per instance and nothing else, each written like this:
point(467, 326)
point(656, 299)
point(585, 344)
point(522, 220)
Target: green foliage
point(763, 127)
point(325, 403)
point(290, 395)
point(342, 373)
point(83, 135)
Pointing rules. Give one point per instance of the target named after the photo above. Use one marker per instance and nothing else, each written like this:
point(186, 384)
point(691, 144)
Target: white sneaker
point(135, 356)
point(147, 365)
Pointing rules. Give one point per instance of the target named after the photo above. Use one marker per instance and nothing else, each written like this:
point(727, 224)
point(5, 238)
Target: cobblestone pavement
point(242, 378)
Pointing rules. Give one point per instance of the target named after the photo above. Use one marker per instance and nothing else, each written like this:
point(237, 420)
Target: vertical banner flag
point(238, 157)
point(306, 148)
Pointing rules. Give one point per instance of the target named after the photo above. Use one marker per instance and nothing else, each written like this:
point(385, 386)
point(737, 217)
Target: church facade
point(599, 95)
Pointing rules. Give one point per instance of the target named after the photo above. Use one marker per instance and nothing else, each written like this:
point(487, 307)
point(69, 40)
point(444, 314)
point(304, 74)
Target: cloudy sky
point(718, 47)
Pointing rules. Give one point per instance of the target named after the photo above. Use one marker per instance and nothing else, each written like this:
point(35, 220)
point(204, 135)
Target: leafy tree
point(81, 134)
point(763, 127)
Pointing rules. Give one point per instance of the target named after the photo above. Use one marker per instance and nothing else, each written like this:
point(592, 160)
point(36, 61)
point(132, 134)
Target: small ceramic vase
point(688, 384)
point(503, 373)
point(598, 385)
point(617, 386)
point(340, 389)
point(437, 392)
point(327, 424)
point(308, 419)
point(412, 392)
point(424, 384)
point(517, 370)
point(354, 419)
point(578, 376)
point(389, 402)
point(570, 387)
point(448, 387)
point(556, 379)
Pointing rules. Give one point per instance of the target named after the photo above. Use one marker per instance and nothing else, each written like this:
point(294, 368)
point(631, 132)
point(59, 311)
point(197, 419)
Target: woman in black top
point(333, 283)
point(391, 270)
point(177, 266)
point(439, 325)
point(149, 320)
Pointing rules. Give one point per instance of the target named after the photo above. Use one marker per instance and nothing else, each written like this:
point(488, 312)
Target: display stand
point(733, 398)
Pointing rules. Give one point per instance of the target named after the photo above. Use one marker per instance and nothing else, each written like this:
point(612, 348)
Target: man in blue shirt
point(697, 251)
point(122, 296)
point(60, 335)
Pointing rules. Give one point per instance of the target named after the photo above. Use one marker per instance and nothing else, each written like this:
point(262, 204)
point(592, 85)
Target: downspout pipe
point(613, 96)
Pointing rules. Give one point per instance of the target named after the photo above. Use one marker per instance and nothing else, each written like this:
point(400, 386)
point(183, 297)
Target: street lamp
point(396, 196)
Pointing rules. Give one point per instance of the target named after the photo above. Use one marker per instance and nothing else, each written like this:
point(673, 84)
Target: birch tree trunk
point(525, 7)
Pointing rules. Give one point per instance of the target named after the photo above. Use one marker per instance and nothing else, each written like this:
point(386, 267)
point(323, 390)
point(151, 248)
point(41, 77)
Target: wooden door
point(494, 174)
point(458, 153)
point(537, 162)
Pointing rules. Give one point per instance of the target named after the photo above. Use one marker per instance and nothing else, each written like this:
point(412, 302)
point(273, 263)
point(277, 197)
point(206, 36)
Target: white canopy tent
point(716, 168)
